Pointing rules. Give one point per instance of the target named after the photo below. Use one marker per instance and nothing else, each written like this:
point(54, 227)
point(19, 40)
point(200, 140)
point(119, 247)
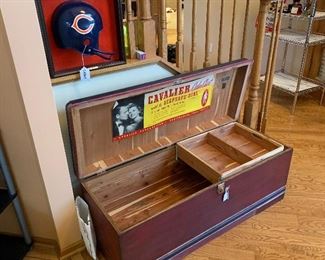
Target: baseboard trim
point(45, 241)
point(71, 250)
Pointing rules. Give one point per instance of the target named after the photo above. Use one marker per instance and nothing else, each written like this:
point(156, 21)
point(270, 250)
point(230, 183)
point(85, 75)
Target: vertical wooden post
point(155, 13)
point(131, 29)
point(163, 31)
point(138, 9)
point(193, 49)
point(262, 119)
point(245, 30)
point(232, 31)
point(207, 36)
point(252, 104)
point(147, 30)
point(179, 43)
point(220, 31)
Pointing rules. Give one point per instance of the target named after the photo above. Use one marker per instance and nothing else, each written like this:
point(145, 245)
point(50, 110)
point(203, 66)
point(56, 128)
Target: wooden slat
point(191, 159)
point(236, 94)
point(179, 43)
point(256, 137)
point(207, 36)
point(163, 30)
point(193, 65)
point(252, 105)
point(261, 124)
point(111, 182)
point(80, 149)
point(227, 29)
point(147, 30)
point(245, 30)
point(153, 200)
point(128, 197)
point(131, 30)
point(232, 31)
point(234, 153)
point(220, 32)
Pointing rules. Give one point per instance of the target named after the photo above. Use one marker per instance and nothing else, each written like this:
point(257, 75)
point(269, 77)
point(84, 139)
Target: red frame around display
point(63, 62)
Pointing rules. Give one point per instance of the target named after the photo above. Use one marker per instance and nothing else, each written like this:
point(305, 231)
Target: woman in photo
point(135, 118)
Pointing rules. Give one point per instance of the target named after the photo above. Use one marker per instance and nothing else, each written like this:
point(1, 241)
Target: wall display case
point(190, 173)
point(297, 85)
point(80, 34)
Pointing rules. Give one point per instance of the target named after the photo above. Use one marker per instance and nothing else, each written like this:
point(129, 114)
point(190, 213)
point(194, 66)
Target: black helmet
point(76, 25)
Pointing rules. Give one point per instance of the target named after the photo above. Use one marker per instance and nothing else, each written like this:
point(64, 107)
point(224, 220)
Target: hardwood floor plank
point(212, 251)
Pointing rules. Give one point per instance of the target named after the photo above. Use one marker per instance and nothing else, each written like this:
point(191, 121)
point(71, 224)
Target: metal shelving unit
point(12, 247)
point(296, 84)
point(299, 38)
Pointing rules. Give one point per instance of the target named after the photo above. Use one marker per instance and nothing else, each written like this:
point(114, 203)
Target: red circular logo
point(205, 98)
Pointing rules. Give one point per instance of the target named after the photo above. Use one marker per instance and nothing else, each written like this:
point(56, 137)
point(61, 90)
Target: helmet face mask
point(76, 25)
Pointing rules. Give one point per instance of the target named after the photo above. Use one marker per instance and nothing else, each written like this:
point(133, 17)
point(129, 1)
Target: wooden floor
point(293, 228)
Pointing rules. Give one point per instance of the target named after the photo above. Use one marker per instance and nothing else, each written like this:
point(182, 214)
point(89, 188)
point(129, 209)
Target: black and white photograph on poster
point(127, 116)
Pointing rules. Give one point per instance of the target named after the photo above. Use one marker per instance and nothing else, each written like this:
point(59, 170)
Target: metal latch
point(222, 189)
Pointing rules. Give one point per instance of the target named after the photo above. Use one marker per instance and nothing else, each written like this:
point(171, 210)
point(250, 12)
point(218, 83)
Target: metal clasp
point(226, 195)
point(222, 189)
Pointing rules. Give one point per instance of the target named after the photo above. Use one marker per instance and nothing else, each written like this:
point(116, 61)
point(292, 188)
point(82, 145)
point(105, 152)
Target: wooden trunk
point(163, 192)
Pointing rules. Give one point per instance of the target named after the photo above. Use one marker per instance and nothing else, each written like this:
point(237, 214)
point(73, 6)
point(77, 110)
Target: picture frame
point(98, 28)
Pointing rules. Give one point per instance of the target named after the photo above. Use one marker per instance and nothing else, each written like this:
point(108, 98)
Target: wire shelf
point(299, 38)
point(288, 83)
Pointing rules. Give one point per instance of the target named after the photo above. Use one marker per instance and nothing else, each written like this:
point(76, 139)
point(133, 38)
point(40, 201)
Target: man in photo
point(121, 118)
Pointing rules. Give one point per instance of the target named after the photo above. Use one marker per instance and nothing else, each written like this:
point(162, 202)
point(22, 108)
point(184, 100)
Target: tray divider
point(228, 149)
point(199, 165)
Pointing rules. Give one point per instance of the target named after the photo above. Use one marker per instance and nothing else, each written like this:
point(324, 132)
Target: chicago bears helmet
point(76, 25)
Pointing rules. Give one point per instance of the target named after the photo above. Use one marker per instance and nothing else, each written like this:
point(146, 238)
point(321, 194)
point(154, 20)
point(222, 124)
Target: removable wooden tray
point(219, 153)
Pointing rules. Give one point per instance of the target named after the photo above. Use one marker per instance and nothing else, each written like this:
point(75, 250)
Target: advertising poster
point(141, 113)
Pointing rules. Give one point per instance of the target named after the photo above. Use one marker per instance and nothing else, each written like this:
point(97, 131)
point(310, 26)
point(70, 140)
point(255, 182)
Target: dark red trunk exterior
point(203, 215)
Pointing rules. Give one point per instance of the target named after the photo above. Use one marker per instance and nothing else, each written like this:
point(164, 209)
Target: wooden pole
point(270, 85)
point(207, 37)
point(155, 13)
point(193, 49)
point(179, 43)
point(252, 104)
point(261, 125)
point(243, 47)
point(147, 30)
point(163, 30)
point(220, 31)
point(232, 31)
point(138, 9)
point(131, 29)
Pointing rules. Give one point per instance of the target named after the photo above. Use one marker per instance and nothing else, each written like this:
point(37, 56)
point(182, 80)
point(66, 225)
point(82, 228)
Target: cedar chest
point(163, 190)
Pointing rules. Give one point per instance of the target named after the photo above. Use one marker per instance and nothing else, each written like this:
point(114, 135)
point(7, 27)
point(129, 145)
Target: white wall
point(16, 135)
point(30, 128)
